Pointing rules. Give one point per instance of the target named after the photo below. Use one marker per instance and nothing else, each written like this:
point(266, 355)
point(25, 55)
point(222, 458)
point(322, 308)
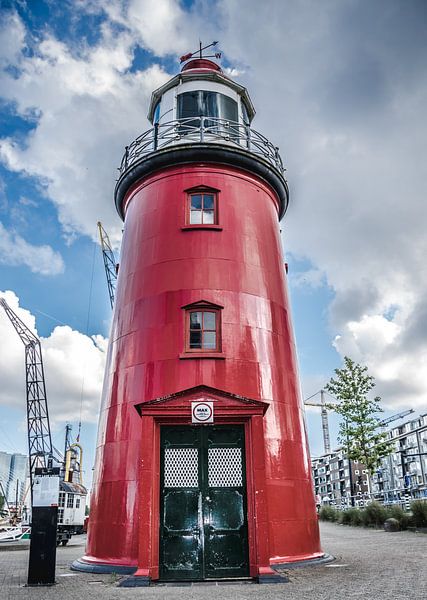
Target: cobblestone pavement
point(369, 564)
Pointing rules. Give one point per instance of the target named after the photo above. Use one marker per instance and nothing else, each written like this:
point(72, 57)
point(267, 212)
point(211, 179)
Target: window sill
point(201, 226)
point(185, 355)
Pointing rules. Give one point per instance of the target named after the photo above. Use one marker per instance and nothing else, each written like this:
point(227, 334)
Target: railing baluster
point(156, 135)
point(248, 137)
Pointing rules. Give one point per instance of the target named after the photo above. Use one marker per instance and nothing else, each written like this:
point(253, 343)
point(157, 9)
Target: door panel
point(226, 533)
point(203, 509)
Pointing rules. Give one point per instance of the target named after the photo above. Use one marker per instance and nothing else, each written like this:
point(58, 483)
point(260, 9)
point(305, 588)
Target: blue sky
point(340, 88)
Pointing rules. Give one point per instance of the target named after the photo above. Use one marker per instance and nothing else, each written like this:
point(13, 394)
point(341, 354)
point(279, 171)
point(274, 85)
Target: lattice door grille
point(225, 467)
point(181, 467)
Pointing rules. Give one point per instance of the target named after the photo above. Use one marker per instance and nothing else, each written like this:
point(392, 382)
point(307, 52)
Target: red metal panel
point(163, 268)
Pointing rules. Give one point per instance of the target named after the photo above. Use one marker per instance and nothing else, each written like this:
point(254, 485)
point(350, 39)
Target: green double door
point(203, 524)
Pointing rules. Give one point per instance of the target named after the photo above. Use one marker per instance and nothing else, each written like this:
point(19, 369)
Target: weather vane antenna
point(200, 53)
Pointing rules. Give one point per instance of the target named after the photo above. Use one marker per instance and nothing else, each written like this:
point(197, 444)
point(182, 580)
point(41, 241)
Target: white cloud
point(12, 39)
point(14, 251)
point(87, 107)
point(73, 362)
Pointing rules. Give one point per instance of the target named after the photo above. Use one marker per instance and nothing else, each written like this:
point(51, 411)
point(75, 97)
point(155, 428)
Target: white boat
point(14, 534)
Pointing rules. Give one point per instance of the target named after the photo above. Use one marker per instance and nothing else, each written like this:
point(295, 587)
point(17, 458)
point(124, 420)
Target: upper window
point(202, 209)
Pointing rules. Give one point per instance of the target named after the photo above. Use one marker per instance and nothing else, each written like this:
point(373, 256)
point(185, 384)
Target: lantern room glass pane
point(201, 103)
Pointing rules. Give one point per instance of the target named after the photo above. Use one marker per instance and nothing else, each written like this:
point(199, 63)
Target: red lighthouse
point(202, 468)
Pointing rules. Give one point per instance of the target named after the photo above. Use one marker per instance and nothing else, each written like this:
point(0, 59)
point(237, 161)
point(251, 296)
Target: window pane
point(195, 320)
point(156, 113)
point(196, 202)
point(208, 104)
point(195, 339)
point(208, 217)
point(208, 201)
point(209, 340)
point(188, 105)
point(228, 108)
point(209, 321)
point(196, 216)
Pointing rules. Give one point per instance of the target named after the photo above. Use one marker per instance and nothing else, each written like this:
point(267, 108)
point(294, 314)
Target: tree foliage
point(360, 433)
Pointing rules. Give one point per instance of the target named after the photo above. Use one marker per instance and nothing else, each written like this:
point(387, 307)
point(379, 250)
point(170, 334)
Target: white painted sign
point(202, 412)
point(46, 490)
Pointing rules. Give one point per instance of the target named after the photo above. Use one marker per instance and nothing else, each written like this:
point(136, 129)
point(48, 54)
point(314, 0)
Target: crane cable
point(87, 334)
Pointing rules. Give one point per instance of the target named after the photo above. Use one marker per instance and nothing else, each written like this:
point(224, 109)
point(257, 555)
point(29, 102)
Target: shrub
point(374, 514)
point(396, 512)
point(419, 512)
point(365, 518)
point(327, 513)
point(345, 516)
point(356, 517)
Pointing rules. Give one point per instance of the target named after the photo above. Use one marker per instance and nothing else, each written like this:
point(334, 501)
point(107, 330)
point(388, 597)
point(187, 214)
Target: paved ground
point(372, 565)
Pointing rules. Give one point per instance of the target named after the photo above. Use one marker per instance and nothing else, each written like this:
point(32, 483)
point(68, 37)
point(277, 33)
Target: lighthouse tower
point(202, 468)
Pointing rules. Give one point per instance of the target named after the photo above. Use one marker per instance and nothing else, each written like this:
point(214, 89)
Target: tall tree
point(360, 433)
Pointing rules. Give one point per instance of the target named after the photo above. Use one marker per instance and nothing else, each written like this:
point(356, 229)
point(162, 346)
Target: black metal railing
point(201, 130)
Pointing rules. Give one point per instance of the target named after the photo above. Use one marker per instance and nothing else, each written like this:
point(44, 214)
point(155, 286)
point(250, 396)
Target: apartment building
point(404, 472)
point(336, 478)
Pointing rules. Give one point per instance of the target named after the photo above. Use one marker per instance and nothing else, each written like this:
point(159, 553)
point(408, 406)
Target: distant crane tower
point(39, 437)
point(324, 415)
point(110, 263)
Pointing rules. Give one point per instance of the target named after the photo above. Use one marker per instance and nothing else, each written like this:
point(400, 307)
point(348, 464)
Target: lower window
point(203, 330)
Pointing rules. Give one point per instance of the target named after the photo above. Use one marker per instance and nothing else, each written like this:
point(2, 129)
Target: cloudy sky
point(339, 85)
